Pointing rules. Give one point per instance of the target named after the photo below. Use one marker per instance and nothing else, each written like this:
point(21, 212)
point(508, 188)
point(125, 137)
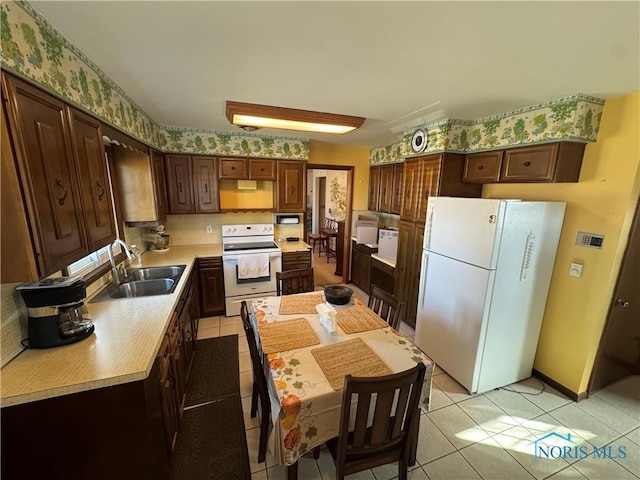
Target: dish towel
point(253, 266)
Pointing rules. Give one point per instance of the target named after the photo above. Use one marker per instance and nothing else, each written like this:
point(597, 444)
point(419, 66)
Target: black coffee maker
point(57, 313)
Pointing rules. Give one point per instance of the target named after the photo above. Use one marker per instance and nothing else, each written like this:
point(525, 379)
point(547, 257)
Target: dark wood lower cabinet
point(211, 286)
point(112, 432)
point(296, 260)
point(382, 275)
point(361, 265)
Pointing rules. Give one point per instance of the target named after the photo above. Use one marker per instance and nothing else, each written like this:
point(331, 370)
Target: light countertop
point(293, 246)
point(389, 261)
point(128, 334)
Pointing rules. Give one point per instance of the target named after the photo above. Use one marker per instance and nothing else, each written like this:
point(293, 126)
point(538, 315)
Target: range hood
point(247, 185)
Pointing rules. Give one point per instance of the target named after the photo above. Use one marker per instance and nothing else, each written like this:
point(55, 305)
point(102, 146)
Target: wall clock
point(419, 140)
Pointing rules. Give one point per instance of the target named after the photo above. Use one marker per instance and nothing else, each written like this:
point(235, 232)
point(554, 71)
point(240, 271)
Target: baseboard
point(576, 397)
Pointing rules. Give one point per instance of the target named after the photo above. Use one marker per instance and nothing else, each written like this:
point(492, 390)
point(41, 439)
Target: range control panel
point(591, 240)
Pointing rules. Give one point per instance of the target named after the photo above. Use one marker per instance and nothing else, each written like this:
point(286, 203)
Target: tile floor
point(484, 436)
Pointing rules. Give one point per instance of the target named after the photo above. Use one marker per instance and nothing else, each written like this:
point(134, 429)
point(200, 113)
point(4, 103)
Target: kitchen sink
point(151, 273)
point(144, 282)
point(143, 288)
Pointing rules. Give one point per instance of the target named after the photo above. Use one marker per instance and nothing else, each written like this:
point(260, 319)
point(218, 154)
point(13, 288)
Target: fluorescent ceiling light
point(264, 116)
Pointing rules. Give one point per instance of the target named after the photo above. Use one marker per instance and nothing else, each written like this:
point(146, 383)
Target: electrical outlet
point(209, 229)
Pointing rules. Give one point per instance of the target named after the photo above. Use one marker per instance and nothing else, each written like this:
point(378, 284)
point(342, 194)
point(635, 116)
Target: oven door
point(234, 286)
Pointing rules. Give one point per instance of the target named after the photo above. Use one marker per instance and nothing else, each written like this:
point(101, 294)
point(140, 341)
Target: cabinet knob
point(100, 190)
point(61, 199)
point(480, 167)
point(233, 168)
point(526, 164)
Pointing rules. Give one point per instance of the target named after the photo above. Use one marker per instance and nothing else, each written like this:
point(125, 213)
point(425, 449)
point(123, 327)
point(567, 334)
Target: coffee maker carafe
point(57, 313)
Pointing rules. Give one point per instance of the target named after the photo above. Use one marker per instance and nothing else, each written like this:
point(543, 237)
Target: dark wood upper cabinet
point(262, 169)
point(396, 196)
point(374, 188)
point(483, 167)
point(247, 168)
point(178, 171)
point(291, 187)
point(94, 179)
point(411, 190)
point(205, 184)
point(47, 171)
point(386, 188)
point(234, 168)
point(551, 162)
point(159, 183)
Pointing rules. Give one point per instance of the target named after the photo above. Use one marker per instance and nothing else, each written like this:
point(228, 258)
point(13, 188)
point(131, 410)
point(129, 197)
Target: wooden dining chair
point(295, 281)
point(260, 392)
point(386, 306)
point(394, 428)
point(315, 238)
point(330, 234)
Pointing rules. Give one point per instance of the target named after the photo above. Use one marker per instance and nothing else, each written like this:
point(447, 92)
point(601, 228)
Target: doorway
point(330, 195)
point(619, 350)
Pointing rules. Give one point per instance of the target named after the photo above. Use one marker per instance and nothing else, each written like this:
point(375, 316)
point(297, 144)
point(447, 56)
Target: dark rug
point(215, 372)
point(212, 443)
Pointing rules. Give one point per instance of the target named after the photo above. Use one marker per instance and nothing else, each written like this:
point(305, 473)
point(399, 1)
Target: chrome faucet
point(115, 273)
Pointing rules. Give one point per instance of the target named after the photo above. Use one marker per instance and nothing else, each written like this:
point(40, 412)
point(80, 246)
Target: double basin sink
point(144, 282)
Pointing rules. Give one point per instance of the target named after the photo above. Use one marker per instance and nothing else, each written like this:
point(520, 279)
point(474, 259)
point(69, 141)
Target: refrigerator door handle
point(427, 228)
point(423, 279)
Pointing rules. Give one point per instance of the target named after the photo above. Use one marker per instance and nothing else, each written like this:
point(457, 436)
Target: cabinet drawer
point(384, 267)
point(233, 168)
point(296, 260)
point(262, 169)
point(483, 167)
point(213, 262)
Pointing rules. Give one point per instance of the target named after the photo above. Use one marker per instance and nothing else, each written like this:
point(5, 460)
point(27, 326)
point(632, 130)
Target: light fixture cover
point(264, 116)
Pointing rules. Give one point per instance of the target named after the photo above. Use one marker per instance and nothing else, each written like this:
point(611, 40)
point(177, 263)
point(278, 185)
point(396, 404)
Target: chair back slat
point(295, 281)
point(380, 431)
point(401, 406)
point(386, 306)
point(362, 414)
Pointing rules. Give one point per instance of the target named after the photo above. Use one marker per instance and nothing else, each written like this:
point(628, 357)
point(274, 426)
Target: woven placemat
point(287, 335)
point(351, 357)
point(359, 319)
point(294, 304)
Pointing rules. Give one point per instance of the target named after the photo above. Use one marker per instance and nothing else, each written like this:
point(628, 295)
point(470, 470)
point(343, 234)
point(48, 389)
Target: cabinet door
point(211, 280)
point(429, 182)
point(260, 169)
point(374, 188)
point(291, 187)
point(386, 188)
point(167, 396)
point(234, 168)
point(178, 169)
point(396, 189)
point(482, 167)
point(159, 183)
point(411, 190)
point(94, 179)
point(205, 184)
point(48, 175)
point(530, 164)
point(413, 275)
point(405, 239)
point(188, 338)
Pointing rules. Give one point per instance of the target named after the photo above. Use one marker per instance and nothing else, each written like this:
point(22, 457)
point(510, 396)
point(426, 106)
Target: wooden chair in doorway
point(330, 235)
point(386, 306)
point(295, 281)
point(260, 392)
point(394, 427)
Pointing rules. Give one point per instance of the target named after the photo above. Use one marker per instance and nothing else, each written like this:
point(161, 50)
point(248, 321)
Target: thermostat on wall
point(592, 240)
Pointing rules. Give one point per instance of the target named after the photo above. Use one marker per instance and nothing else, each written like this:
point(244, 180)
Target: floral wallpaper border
point(573, 118)
point(33, 49)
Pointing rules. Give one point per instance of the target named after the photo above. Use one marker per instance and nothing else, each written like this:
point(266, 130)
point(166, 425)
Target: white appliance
point(388, 243)
point(241, 241)
point(486, 269)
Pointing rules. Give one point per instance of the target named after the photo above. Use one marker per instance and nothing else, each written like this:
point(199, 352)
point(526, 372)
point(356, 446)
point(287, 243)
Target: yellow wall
point(603, 201)
point(331, 154)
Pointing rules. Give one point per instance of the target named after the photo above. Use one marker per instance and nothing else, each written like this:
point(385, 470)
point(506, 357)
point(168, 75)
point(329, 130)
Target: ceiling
point(396, 63)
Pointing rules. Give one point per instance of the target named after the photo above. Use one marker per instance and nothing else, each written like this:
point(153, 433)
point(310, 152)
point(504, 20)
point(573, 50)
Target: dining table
point(306, 364)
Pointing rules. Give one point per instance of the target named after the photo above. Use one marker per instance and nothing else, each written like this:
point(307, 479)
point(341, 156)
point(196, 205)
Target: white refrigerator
point(486, 269)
